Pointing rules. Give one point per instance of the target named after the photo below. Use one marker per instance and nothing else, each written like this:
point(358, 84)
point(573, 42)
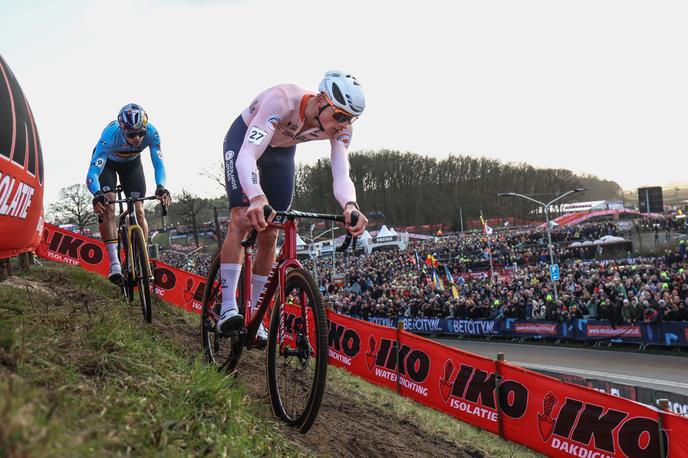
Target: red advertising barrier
point(566, 420)
point(677, 429)
point(553, 417)
point(364, 349)
point(21, 170)
point(452, 381)
point(175, 286)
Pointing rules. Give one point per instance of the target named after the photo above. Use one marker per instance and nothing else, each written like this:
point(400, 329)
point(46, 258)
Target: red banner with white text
point(21, 170)
point(563, 420)
point(175, 286)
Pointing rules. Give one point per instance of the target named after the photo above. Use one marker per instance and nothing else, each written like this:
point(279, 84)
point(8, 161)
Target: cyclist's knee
point(268, 238)
point(109, 213)
point(238, 222)
point(140, 215)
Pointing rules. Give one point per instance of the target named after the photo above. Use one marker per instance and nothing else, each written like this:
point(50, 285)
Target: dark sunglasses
point(342, 117)
point(339, 114)
point(141, 133)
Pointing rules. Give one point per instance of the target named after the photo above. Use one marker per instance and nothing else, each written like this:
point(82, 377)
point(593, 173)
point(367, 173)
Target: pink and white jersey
point(276, 118)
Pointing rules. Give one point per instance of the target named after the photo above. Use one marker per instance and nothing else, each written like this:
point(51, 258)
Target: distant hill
point(600, 189)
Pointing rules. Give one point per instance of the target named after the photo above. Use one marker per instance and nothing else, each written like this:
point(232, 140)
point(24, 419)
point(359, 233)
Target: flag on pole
point(449, 275)
point(455, 291)
point(486, 229)
point(437, 280)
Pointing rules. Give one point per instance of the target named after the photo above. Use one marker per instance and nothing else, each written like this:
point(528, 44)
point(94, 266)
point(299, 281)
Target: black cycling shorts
point(130, 176)
point(275, 166)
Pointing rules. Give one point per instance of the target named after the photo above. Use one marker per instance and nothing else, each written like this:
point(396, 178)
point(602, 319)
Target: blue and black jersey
point(112, 146)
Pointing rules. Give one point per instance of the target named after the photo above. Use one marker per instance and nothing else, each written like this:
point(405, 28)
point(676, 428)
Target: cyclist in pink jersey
point(259, 151)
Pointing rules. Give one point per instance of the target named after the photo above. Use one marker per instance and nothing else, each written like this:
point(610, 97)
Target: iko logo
point(411, 362)
point(192, 294)
point(479, 387)
point(545, 421)
point(76, 248)
point(586, 429)
point(343, 340)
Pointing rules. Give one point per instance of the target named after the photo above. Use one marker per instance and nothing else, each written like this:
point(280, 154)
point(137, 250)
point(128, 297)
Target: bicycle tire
point(127, 286)
point(302, 416)
point(141, 276)
point(222, 352)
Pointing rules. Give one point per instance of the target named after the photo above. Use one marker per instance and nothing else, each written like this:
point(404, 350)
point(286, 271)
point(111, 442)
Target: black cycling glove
point(160, 191)
point(99, 198)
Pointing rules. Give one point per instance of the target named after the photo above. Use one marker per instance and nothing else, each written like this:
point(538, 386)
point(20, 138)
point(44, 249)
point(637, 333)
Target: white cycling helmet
point(343, 91)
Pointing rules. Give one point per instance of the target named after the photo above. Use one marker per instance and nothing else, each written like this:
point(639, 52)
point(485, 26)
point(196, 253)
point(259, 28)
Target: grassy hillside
point(81, 375)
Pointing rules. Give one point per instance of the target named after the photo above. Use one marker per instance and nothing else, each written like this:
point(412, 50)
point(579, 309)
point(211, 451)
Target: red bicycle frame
point(285, 260)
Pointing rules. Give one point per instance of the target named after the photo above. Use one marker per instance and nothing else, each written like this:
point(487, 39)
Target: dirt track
point(344, 427)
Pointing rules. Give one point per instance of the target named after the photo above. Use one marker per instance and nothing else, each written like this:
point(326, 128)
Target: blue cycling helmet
point(132, 117)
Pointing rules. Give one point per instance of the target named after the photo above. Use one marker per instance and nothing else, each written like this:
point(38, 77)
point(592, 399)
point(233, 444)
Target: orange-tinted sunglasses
point(339, 114)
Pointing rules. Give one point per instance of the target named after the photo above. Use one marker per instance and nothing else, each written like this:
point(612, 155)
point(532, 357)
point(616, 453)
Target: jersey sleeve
point(343, 187)
point(273, 108)
point(156, 155)
point(98, 159)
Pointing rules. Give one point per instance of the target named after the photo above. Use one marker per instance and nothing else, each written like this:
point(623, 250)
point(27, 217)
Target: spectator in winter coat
point(650, 315)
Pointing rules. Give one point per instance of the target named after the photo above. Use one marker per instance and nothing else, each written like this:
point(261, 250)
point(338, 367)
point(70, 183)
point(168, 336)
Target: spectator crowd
point(401, 283)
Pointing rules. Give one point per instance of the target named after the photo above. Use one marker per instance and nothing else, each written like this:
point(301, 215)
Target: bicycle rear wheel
point(141, 278)
point(297, 352)
point(222, 352)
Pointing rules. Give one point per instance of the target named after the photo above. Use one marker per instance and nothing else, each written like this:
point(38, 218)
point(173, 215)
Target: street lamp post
point(545, 207)
point(331, 230)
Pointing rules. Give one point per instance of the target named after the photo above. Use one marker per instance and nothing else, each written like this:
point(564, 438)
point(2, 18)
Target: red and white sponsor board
point(536, 328)
point(21, 170)
point(603, 330)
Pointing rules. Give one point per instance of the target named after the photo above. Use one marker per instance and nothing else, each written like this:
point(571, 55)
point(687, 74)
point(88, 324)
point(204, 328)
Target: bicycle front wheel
point(297, 352)
point(127, 286)
point(222, 352)
point(141, 275)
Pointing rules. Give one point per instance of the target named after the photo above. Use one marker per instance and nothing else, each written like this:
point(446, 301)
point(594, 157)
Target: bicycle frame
point(132, 226)
point(285, 260)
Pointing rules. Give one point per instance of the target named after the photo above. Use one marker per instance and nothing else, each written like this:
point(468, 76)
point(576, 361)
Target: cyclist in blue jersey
point(118, 153)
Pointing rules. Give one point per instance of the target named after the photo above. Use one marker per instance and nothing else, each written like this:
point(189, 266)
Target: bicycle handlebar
point(280, 216)
point(132, 200)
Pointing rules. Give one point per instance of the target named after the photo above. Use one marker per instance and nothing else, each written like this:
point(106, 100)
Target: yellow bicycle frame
point(130, 250)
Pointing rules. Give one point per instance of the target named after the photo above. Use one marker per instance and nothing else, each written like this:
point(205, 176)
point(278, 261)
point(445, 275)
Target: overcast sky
point(599, 87)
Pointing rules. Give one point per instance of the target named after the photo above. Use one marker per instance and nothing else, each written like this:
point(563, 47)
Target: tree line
point(411, 189)
point(401, 189)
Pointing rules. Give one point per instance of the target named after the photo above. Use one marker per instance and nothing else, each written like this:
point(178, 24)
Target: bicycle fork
point(147, 270)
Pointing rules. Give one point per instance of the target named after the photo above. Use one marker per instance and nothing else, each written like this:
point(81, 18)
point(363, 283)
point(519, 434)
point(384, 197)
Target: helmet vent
point(337, 93)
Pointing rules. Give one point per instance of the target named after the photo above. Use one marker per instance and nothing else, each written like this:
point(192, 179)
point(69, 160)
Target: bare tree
point(189, 206)
point(216, 173)
point(74, 205)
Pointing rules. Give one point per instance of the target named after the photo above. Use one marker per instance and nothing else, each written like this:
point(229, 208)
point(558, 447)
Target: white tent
point(384, 232)
point(302, 248)
point(609, 239)
point(385, 239)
